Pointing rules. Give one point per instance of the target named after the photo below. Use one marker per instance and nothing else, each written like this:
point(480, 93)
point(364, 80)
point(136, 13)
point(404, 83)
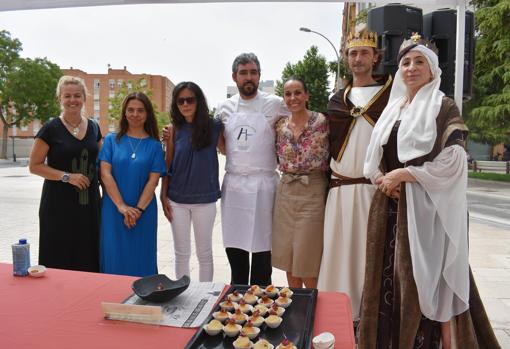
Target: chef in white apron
point(249, 185)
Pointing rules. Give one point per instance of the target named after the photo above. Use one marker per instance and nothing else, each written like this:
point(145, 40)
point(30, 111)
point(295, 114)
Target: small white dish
point(213, 328)
point(245, 308)
point(235, 296)
point(242, 343)
point(228, 305)
point(271, 291)
point(232, 330)
point(282, 303)
point(36, 271)
point(283, 345)
point(261, 308)
point(265, 301)
point(286, 291)
point(263, 344)
point(257, 321)
point(250, 298)
point(278, 310)
point(239, 317)
point(250, 332)
point(256, 290)
point(222, 316)
point(273, 321)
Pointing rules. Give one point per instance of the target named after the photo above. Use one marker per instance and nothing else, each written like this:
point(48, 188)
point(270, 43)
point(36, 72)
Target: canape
point(239, 317)
point(232, 329)
point(249, 330)
point(242, 342)
point(273, 321)
point(222, 315)
point(213, 327)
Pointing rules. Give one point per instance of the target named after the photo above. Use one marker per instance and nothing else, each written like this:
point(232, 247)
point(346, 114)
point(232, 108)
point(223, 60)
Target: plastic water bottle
point(21, 258)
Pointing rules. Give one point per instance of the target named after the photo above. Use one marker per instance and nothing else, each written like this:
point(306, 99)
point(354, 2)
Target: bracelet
point(140, 209)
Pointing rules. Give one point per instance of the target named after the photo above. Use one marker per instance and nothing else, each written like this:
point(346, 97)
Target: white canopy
point(14, 5)
point(11, 5)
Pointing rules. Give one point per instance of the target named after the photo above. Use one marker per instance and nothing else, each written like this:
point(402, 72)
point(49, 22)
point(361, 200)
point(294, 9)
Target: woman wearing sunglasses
point(191, 189)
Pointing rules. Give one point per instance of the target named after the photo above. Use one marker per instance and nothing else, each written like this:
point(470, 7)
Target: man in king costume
point(353, 112)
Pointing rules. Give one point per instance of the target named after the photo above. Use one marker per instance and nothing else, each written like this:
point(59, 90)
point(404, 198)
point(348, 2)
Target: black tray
point(297, 323)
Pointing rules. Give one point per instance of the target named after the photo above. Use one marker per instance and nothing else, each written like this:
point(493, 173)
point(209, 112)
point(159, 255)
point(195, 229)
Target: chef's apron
point(249, 185)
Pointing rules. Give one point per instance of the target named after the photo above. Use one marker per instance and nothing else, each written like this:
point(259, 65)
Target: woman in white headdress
point(418, 288)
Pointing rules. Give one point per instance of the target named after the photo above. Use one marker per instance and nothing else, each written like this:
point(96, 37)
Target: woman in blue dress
point(132, 162)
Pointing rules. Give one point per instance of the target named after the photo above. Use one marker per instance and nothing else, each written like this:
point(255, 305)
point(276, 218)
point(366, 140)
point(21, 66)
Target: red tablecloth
point(63, 310)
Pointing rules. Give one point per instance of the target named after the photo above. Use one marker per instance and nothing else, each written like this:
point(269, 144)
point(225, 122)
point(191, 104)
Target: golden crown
point(414, 41)
point(365, 38)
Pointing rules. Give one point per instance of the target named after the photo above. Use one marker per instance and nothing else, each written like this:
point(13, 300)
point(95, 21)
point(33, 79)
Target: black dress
point(69, 217)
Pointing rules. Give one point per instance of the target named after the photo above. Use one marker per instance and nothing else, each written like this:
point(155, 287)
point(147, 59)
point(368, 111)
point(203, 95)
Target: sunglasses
point(189, 100)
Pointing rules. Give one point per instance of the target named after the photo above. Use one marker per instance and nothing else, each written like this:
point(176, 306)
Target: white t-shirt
point(273, 107)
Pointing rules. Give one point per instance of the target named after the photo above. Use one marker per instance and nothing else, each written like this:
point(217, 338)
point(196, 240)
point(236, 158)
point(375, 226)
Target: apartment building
point(100, 88)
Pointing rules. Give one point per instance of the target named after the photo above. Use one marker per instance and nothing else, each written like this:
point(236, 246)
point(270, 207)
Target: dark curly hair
point(201, 134)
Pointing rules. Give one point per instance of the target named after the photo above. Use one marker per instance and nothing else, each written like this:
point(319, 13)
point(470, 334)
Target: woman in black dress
point(69, 209)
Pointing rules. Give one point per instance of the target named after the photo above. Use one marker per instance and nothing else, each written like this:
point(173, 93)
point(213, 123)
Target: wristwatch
point(65, 177)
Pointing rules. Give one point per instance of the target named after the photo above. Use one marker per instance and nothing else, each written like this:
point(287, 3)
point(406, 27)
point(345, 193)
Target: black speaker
point(441, 26)
point(393, 23)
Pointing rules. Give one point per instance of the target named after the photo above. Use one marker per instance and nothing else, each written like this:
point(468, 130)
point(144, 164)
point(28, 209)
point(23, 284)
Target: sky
point(194, 42)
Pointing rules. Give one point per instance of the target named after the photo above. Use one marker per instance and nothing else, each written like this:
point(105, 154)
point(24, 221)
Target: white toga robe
point(346, 215)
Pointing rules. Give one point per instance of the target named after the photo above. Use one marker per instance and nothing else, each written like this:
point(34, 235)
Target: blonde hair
point(71, 80)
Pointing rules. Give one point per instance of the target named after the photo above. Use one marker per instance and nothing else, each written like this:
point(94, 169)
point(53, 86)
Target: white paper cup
point(324, 340)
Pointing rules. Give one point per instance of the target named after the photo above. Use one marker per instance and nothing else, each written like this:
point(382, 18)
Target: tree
point(489, 111)
point(313, 69)
point(115, 109)
point(27, 88)
point(345, 73)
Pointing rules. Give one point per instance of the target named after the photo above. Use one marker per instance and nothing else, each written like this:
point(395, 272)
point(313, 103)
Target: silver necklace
point(133, 154)
point(76, 129)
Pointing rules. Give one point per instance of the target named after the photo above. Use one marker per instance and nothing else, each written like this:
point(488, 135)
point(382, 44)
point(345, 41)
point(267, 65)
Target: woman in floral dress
point(298, 220)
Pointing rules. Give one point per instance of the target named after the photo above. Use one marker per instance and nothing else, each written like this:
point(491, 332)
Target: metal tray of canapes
point(297, 324)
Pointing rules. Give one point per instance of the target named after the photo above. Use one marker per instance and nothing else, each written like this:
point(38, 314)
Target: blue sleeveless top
point(194, 173)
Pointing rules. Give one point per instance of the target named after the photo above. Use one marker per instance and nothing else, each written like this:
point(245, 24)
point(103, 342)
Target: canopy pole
point(459, 54)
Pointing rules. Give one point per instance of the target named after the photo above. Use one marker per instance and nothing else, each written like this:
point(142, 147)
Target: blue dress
point(130, 251)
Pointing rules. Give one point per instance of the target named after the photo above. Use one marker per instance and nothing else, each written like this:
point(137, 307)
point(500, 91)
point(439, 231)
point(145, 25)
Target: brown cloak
point(472, 328)
point(341, 120)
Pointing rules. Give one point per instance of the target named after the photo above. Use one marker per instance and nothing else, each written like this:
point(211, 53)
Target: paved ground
point(489, 243)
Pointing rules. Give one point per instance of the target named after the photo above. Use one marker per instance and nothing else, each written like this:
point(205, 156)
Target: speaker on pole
point(441, 26)
point(393, 23)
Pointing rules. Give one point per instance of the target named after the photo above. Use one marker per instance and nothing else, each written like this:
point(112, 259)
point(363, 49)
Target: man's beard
point(248, 89)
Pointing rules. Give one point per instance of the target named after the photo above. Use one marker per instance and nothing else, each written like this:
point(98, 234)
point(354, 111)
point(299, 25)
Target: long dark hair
point(150, 126)
point(202, 122)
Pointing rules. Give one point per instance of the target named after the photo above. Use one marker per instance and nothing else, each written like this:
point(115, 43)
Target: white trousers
point(202, 216)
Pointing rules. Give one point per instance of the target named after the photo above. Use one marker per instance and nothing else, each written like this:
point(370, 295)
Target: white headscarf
point(417, 131)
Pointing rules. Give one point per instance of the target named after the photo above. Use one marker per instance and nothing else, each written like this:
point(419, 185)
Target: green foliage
point(313, 69)
point(115, 109)
point(501, 177)
point(27, 87)
point(9, 52)
point(345, 73)
point(31, 87)
point(362, 16)
point(489, 111)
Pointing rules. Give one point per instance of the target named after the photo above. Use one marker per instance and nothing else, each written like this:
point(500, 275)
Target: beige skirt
point(298, 223)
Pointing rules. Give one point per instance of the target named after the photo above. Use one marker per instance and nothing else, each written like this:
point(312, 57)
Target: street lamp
point(337, 82)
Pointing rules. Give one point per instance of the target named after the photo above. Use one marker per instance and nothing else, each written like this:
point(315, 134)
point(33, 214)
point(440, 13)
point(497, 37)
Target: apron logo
point(242, 135)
